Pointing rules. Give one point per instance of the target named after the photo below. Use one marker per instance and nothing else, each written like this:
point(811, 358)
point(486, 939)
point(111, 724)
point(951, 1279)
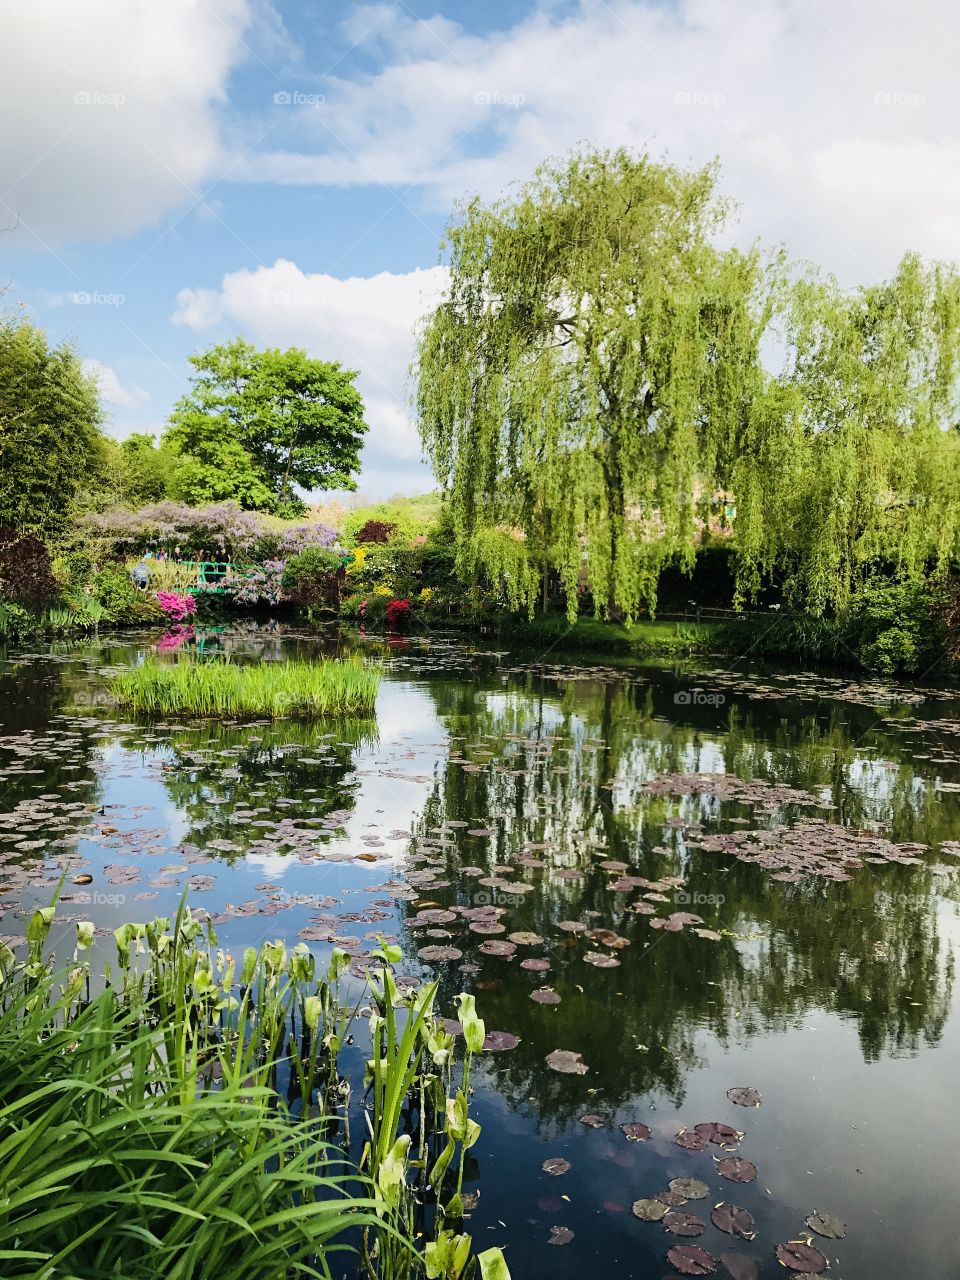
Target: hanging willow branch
point(593, 380)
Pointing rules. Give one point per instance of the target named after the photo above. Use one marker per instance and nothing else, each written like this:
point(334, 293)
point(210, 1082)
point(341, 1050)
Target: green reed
point(191, 1121)
point(345, 686)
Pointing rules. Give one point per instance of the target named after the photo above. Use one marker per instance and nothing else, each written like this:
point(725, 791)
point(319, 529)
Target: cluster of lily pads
point(669, 1207)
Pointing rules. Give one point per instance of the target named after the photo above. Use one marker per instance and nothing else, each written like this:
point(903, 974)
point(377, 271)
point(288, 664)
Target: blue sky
point(176, 173)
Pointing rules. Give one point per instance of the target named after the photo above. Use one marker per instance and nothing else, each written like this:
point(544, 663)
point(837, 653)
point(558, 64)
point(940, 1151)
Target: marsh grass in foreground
point(190, 1121)
point(304, 689)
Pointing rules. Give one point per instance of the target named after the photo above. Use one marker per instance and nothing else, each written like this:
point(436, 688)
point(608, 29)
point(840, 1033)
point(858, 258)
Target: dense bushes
point(26, 577)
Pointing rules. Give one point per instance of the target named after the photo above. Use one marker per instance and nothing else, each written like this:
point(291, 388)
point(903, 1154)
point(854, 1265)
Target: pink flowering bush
point(176, 606)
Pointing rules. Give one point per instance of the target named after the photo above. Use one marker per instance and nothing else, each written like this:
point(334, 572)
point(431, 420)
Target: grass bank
point(301, 689)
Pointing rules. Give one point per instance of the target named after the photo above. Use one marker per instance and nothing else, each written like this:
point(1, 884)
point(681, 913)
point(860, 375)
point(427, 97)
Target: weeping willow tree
point(589, 375)
point(593, 382)
point(850, 463)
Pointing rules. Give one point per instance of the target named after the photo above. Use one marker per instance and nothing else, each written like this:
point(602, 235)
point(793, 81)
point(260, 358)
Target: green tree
point(257, 424)
point(589, 373)
point(51, 445)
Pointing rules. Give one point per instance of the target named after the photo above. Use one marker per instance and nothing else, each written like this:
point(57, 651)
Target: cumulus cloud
point(111, 110)
point(838, 135)
point(112, 390)
point(365, 322)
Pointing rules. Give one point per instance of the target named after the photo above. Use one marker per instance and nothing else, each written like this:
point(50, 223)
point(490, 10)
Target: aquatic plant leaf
point(690, 1140)
point(556, 1165)
point(744, 1096)
point(593, 1121)
point(737, 1169)
point(802, 1257)
point(560, 1235)
point(733, 1220)
point(684, 1224)
point(689, 1188)
point(649, 1210)
point(567, 1062)
point(493, 1265)
point(691, 1260)
point(601, 961)
point(498, 1041)
point(826, 1224)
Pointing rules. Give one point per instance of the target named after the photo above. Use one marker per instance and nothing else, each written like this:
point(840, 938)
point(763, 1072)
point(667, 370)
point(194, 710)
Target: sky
point(177, 172)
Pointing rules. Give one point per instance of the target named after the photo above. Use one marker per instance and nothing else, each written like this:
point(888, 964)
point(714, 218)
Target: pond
point(686, 879)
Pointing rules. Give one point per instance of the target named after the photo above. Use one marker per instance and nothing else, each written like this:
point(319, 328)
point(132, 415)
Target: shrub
point(376, 531)
point(891, 625)
point(398, 615)
point(26, 577)
point(115, 590)
point(310, 578)
point(177, 607)
point(257, 586)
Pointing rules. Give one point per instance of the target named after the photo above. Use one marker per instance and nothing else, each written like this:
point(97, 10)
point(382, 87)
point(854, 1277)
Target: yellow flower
point(383, 590)
point(356, 564)
point(426, 593)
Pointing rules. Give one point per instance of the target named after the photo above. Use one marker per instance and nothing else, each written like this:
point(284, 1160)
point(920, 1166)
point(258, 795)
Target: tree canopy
point(598, 380)
point(51, 445)
point(257, 424)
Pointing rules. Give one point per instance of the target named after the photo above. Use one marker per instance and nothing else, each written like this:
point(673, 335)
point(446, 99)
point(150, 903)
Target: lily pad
point(744, 1096)
point(567, 1062)
point(601, 961)
point(689, 1188)
point(592, 1121)
point(690, 1140)
point(556, 1165)
point(545, 996)
point(826, 1224)
point(684, 1224)
point(560, 1235)
point(691, 1260)
point(649, 1210)
point(733, 1220)
point(497, 947)
point(636, 1131)
point(737, 1169)
point(535, 965)
point(440, 953)
point(724, 1135)
point(498, 1041)
point(799, 1256)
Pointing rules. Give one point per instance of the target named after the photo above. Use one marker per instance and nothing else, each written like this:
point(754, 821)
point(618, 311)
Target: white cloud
point(112, 390)
point(110, 110)
point(835, 123)
point(365, 322)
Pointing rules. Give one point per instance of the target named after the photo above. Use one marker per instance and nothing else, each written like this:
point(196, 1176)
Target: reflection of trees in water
point(867, 949)
point(217, 774)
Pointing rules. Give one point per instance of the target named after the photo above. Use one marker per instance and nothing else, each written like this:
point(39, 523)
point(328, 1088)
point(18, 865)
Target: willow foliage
point(593, 364)
point(593, 382)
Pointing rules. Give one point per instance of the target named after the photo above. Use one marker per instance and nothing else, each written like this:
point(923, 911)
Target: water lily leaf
point(689, 1188)
point(498, 1041)
point(636, 1131)
point(560, 1235)
point(737, 1169)
point(690, 1140)
point(535, 965)
point(802, 1257)
point(497, 947)
point(723, 1135)
point(526, 939)
point(649, 1210)
point(545, 996)
point(673, 1199)
point(440, 953)
point(567, 1062)
point(556, 1165)
point(691, 1260)
point(592, 1121)
point(826, 1224)
point(739, 1266)
point(680, 1223)
point(601, 961)
point(744, 1096)
point(733, 1220)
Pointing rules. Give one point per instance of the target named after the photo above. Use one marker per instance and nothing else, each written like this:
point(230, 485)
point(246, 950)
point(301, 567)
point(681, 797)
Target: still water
point(688, 879)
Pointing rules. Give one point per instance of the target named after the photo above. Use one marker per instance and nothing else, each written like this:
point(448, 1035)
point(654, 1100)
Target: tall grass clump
point(345, 686)
point(186, 1120)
